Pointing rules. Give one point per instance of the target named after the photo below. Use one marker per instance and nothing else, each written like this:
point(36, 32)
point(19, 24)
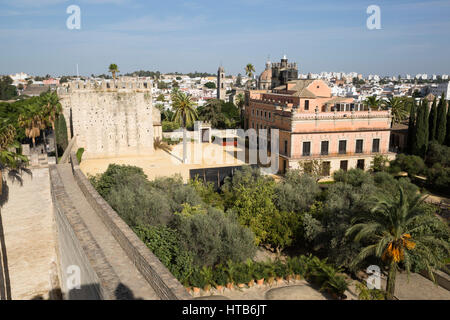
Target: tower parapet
point(120, 85)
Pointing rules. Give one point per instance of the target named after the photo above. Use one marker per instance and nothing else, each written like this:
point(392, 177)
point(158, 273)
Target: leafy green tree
point(296, 193)
point(438, 178)
point(210, 85)
point(395, 227)
point(166, 244)
point(344, 199)
point(413, 165)
point(7, 90)
point(162, 85)
point(212, 112)
point(161, 98)
point(441, 127)
point(239, 80)
point(438, 153)
point(169, 126)
point(433, 121)
point(185, 114)
point(379, 163)
point(214, 236)
point(254, 206)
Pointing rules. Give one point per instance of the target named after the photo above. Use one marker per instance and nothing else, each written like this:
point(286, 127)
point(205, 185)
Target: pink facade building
point(50, 81)
point(314, 125)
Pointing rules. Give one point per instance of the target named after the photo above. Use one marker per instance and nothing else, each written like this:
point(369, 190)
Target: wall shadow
point(89, 292)
point(5, 284)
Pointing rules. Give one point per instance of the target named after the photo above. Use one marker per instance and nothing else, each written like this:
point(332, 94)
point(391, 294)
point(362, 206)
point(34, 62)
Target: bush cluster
point(319, 272)
point(173, 220)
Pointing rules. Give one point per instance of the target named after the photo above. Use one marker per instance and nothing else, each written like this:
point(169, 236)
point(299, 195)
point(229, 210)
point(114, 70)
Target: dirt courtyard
point(164, 164)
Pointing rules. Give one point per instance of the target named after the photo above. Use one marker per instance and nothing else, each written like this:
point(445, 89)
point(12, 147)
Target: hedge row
point(311, 268)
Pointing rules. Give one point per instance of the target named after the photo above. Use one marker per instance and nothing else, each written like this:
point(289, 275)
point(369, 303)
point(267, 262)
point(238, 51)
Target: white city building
point(438, 89)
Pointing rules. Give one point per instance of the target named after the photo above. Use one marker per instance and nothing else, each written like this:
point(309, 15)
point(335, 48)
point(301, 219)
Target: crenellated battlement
point(121, 84)
point(292, 65)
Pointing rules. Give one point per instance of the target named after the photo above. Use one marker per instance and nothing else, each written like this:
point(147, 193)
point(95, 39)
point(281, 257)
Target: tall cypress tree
point(421, 143)
point(441, 126)
point(447, 135)
point(412, 127)
point(433, 121)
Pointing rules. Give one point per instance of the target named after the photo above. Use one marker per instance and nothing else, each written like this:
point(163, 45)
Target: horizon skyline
point(198, 35)
point(227, 74)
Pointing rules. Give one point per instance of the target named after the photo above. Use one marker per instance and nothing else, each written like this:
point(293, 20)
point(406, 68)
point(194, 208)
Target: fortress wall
point(77, 247)
point(166, 286)
point(111, 123)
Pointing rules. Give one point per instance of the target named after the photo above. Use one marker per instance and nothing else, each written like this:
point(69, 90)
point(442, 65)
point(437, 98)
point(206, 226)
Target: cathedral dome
point(266, 75)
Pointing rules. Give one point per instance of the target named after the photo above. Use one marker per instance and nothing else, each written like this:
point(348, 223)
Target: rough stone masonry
point(111, 120)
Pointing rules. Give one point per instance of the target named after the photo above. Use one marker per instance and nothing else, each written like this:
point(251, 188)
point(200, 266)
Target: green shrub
point(298, 265)
point(169, 126)
point(413, 165)
point(197, 278)
point(281, 269)
point(353, 177)
point(260, 271)
point(215, 237)
point(369, 294)
point(165, 244)
point(439, 178)
point(230, 269)
point(80, 152)
point(220, 276)
point(208, 275)
point(379, 163)
point(438, 153)
point(336, 284)
point(296, 193)
point(116, 175)
point(242, 273)
point(269, 269)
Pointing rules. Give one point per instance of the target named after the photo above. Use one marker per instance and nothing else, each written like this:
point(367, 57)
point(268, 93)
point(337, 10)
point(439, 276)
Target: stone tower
point(221, 91)
point(282, 72)
point(111, 120)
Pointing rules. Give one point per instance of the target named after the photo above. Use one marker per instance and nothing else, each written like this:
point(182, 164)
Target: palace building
point(314, 125)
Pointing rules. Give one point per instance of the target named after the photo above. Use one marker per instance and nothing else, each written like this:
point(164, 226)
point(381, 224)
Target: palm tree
point(51, 109)
point(372, 102)
point(249, 70)
point(396, 228)
point(397, 107)
point(10, 160)
point(185, 114)
point(32, 120)
point(113, 68)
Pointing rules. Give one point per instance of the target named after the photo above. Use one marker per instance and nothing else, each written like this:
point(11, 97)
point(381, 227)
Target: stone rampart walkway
point(116, 256)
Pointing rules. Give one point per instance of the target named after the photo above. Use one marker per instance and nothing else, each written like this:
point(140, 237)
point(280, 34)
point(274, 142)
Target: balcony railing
point(336, 155)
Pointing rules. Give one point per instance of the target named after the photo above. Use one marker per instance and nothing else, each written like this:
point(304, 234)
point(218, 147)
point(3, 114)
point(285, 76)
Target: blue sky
point(197, 35)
